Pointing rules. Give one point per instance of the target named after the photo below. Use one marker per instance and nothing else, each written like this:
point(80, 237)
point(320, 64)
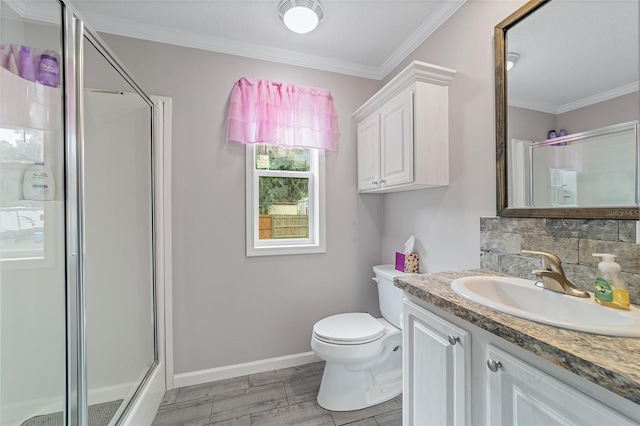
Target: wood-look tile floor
point(274, 398)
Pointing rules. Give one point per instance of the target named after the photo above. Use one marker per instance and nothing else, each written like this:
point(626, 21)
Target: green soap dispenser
point(611, 290)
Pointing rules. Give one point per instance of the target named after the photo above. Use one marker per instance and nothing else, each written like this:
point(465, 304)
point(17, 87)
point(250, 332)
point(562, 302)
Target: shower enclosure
point(79, 343)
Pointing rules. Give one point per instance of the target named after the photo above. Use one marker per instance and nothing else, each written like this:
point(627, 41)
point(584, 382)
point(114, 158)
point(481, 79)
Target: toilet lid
point(352, 329)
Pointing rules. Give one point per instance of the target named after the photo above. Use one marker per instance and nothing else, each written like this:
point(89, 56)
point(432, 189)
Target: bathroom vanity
point(468, 364)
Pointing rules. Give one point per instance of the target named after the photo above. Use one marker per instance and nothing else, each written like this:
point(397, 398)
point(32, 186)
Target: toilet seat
point(348, 329)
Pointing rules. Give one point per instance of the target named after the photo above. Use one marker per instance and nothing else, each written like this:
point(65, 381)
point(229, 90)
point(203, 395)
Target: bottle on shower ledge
point(27, 69)
point(48, 71)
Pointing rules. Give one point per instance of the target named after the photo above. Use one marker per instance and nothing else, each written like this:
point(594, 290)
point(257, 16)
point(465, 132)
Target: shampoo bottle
point(611, 289)
point(27, 69)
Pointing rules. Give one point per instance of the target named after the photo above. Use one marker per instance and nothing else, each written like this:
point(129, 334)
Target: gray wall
point(534, 125)
point(613, 111)
point(529, 125)
point(228, 308)
point(445, 220)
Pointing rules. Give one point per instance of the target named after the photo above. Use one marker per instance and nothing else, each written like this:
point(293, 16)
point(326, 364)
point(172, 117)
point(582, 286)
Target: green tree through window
point(281, 189)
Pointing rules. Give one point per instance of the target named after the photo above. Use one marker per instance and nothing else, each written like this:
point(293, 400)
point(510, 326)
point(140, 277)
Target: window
point(285, 200)
point(21, 221)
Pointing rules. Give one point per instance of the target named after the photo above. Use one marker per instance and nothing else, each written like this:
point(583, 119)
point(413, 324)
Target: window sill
point(285, 250)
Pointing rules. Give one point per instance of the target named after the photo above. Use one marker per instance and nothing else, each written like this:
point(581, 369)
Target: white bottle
point(38, 183)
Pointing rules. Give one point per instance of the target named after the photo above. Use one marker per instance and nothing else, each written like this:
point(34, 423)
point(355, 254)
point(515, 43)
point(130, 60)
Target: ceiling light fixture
point(301, 16)
point(512, 58)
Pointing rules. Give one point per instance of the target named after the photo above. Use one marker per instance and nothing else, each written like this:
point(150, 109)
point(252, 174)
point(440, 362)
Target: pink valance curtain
point(263, 111)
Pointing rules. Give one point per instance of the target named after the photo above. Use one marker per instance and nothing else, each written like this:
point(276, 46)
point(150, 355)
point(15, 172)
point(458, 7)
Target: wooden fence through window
point(274, 226)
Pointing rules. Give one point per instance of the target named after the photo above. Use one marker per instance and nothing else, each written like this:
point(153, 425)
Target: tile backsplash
point(572, 240)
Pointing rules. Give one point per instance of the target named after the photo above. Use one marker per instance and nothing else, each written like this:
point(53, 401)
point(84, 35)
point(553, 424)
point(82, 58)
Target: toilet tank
point(390, 296)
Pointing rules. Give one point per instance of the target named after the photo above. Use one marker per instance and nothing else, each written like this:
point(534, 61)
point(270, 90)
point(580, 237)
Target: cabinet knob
point(375, 182)
point(494, 365)
point(453, 339)
point(383, 181)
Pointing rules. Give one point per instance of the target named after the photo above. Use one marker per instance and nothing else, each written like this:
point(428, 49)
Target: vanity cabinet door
point(519, 394)
point(369, 153)
point(436, 375)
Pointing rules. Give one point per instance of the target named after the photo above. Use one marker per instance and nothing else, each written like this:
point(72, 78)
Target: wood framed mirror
point(577, 69)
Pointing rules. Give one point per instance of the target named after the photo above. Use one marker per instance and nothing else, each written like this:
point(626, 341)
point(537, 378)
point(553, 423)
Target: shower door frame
point(146, 399)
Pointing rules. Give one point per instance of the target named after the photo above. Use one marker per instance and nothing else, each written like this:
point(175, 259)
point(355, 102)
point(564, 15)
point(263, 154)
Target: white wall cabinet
point(368, 134)
point(508, 385)
point(437, 370)
point(402, 132)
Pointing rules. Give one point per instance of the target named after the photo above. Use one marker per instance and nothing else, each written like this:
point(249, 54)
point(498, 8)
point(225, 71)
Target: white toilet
point(363, 354)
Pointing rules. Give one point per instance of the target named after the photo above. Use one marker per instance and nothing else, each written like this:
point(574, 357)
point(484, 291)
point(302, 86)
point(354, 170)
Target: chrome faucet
point(552, 276)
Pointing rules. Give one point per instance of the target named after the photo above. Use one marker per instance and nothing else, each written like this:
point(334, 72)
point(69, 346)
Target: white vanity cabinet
point(502, 384)
point(437, 370)
point(402, 132)
point(519, 394)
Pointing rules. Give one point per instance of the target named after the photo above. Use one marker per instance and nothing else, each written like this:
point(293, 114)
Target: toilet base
point(344, 390)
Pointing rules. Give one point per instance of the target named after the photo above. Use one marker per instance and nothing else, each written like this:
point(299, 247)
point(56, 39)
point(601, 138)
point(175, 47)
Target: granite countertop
point(610, 362)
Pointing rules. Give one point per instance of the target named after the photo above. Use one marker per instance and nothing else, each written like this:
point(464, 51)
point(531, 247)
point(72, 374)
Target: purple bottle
point(27, 70)
point(49, 70)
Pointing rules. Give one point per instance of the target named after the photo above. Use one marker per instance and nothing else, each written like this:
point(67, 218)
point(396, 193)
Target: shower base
point(99, 415)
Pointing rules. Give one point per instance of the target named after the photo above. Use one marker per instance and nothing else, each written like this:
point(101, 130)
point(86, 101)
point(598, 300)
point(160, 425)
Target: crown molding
point(444, 12)
point(19, 6)
point(600, 97)
point(126, 28)
point(533, 105)
point(27, 11)
point(415, 72)
point(580, 103)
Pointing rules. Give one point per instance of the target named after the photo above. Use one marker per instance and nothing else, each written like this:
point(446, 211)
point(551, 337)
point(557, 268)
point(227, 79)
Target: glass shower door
point(117, 233)
point(77, 329)
point(32, 237)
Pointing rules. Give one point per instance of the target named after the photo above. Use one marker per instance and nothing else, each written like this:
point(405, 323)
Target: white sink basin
point(520, 297)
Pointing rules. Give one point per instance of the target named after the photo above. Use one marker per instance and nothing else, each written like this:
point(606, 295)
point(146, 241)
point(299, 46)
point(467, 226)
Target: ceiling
point(357, 37)
point(573, 54)
point(369, 38)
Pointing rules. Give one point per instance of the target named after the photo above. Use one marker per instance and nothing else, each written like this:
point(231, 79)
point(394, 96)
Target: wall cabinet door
point(436, 375)
point(369, 153)
point(519, 394)
point(396, 141)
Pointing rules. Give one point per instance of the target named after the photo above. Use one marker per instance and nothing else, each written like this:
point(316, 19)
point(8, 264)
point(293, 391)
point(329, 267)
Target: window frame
point(316, 243)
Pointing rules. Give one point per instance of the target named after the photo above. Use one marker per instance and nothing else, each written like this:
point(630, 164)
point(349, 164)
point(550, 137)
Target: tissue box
point(407, 263)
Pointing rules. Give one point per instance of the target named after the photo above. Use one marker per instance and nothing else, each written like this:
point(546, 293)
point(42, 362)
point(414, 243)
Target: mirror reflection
point(573, 106)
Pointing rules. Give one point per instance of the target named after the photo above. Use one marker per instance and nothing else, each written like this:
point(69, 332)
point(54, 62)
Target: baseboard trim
point(229, 371)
